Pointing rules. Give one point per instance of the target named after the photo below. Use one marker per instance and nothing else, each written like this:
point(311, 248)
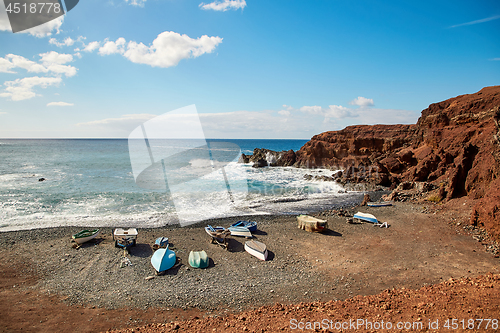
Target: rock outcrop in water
point(455, 146)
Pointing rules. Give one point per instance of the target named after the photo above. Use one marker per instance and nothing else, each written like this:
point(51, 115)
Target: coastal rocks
point(260, 163)
point(271, 158)
point(455, 146)
point(243, 159)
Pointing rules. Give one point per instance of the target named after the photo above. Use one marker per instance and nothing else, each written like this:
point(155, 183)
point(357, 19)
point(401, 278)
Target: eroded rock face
point(455, 145)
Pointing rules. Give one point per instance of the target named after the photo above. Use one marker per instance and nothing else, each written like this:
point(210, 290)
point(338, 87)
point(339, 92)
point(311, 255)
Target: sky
point(254, 69)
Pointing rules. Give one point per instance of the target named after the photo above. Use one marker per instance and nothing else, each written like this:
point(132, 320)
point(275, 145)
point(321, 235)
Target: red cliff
point(455, 145)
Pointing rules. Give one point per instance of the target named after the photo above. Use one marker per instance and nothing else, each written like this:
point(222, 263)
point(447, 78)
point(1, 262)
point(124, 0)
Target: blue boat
point(163, 259)
point(250, 225)
point(365, 217)
point(379, 204)
point(160, 242)
point(240, 231)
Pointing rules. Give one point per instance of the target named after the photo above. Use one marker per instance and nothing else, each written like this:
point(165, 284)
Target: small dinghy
point(311, 224)
point(218, 234)
point(251, 225)
point(365, 217)
point(160, 242)
point(124, 237)
point(257, 249)
point(163, 259)
point(198, 259)
point(379, 204)
point(85, 235)
point(240, 231)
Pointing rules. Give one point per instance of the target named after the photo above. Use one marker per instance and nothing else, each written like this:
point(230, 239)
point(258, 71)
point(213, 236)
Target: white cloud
point(90, 47)
point(3, 112)
point(67, 42)
point(224, 5)
point(284, 113)
point(22, 89)
point(12, 61)
point(166, 50)
point(113, 47)
point(138, 3)
point(494, 59)
point(54, 62)
point(339, 111)
point(362, 101)
point(59, 104)
point(491, 18)
point(333, 111)
point(51, 62)
point(116, 127)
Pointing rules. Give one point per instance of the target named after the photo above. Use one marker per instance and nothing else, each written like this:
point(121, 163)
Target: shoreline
point(418, 249)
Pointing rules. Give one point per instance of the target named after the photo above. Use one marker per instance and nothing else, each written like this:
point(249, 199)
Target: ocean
point(95, 182)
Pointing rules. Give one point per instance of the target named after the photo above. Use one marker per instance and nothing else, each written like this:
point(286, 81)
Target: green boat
point(198, 259)
point(85, 235)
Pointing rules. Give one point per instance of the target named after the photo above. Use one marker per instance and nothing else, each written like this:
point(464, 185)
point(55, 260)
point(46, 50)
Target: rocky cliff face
point(455, 145)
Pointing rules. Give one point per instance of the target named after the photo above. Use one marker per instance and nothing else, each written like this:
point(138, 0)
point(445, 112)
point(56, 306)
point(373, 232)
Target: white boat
point(125, 237)
point(257, 249)
point(311, 224)
point(379, 204)
point(240, 231)
point(365, 217)
point(85, 235)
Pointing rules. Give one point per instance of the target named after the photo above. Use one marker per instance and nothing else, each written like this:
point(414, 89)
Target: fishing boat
point(240, 231)
point(257, 249)
point(198, 259)
point(379, 204)
point(311, 224)
point(85, 235)
point(251, 225)
point(365, 217)
point(125, 237)
point(163, 259)
point(160, 242)
point(218, 234)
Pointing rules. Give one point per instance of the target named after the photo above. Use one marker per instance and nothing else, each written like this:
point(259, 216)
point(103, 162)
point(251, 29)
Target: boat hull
point(379, 204)
point(240, 231)
point(311, 224)
point(85, 235)
point(257, 249)
point(251, 225)
point(163, 259)
point(125, 237)
point(198, 259)
point(365, 217)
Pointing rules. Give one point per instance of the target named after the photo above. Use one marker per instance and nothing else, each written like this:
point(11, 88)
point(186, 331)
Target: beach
point(46, 283)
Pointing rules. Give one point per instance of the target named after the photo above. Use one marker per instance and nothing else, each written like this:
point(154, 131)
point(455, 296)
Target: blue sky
point(254, 69)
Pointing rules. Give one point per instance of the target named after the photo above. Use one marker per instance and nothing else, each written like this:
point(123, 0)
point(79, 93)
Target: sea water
point(91, 182)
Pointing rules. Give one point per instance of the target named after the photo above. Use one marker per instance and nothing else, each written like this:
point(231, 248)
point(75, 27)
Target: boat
point(163, 259)
point(365, 217)
point(251, 225)
point(125, 237)
point(198, 259)
point(240, 231)
point(218, 234)
point(311, 224)
point(379, 204)
point(160, 242)
point(85, 235)
point(257, 249)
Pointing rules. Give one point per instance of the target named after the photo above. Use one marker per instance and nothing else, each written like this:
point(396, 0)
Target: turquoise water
point(90, 182)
